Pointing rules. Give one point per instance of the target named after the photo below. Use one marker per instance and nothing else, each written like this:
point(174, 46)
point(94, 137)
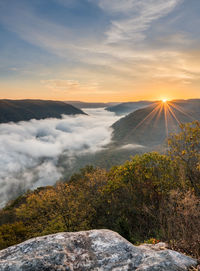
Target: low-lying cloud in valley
point(30, 150)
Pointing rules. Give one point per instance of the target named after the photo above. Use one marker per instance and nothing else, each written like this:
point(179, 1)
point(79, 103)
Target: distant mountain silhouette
point(126, 108)
point(80, 104)
point(151, 125)
point(23, 110)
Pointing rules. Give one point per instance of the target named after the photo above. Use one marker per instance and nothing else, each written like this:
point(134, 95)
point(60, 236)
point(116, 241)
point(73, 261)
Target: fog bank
point(30, 150)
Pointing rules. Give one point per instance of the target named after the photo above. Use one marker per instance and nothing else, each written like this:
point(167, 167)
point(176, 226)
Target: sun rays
point(164, 112)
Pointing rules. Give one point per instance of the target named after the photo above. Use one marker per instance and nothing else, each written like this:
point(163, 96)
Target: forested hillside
point(128, 107)
point(151, 125)
point(151, 197)
point(80, 104)
point(23, 110)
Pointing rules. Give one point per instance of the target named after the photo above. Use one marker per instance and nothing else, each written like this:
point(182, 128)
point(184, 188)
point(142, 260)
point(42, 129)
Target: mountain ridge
point(150, 126)
point(128, 107)
point(80, 104)
point(27, 109)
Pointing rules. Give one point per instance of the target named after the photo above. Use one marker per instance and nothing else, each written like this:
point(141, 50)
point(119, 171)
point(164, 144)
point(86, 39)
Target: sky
point(99, 50)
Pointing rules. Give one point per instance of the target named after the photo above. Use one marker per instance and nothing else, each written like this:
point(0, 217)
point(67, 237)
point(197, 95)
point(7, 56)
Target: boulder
point(90, 250)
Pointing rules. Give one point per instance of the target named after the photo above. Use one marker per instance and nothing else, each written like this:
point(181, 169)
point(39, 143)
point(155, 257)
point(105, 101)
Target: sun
point(164, 100)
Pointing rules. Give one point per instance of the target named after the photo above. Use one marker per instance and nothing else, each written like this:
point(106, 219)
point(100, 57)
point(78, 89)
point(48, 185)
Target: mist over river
point(30, 150)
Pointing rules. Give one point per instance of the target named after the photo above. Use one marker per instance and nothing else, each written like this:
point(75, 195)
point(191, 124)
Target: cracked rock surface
point(97, 250)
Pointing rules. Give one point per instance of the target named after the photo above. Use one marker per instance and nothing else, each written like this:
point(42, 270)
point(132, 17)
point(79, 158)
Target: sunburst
point(168, 108)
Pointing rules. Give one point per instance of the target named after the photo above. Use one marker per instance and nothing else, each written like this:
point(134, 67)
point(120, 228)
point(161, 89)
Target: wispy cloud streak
point(137, 17)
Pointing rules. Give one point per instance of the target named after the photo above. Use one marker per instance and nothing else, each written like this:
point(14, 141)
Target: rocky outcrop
point(90, 250)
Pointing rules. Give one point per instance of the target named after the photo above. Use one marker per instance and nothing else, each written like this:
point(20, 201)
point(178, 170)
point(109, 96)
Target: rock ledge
point(98, 250)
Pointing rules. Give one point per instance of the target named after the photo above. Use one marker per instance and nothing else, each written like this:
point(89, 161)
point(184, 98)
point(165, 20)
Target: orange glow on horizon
point(110, 93)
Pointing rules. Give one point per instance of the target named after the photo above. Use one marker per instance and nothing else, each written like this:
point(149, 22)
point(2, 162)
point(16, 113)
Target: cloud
point(68, 85)
point(126, 47)
point(30, 150)
point(117, 6)
point(136, 17)
point(128, 20)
